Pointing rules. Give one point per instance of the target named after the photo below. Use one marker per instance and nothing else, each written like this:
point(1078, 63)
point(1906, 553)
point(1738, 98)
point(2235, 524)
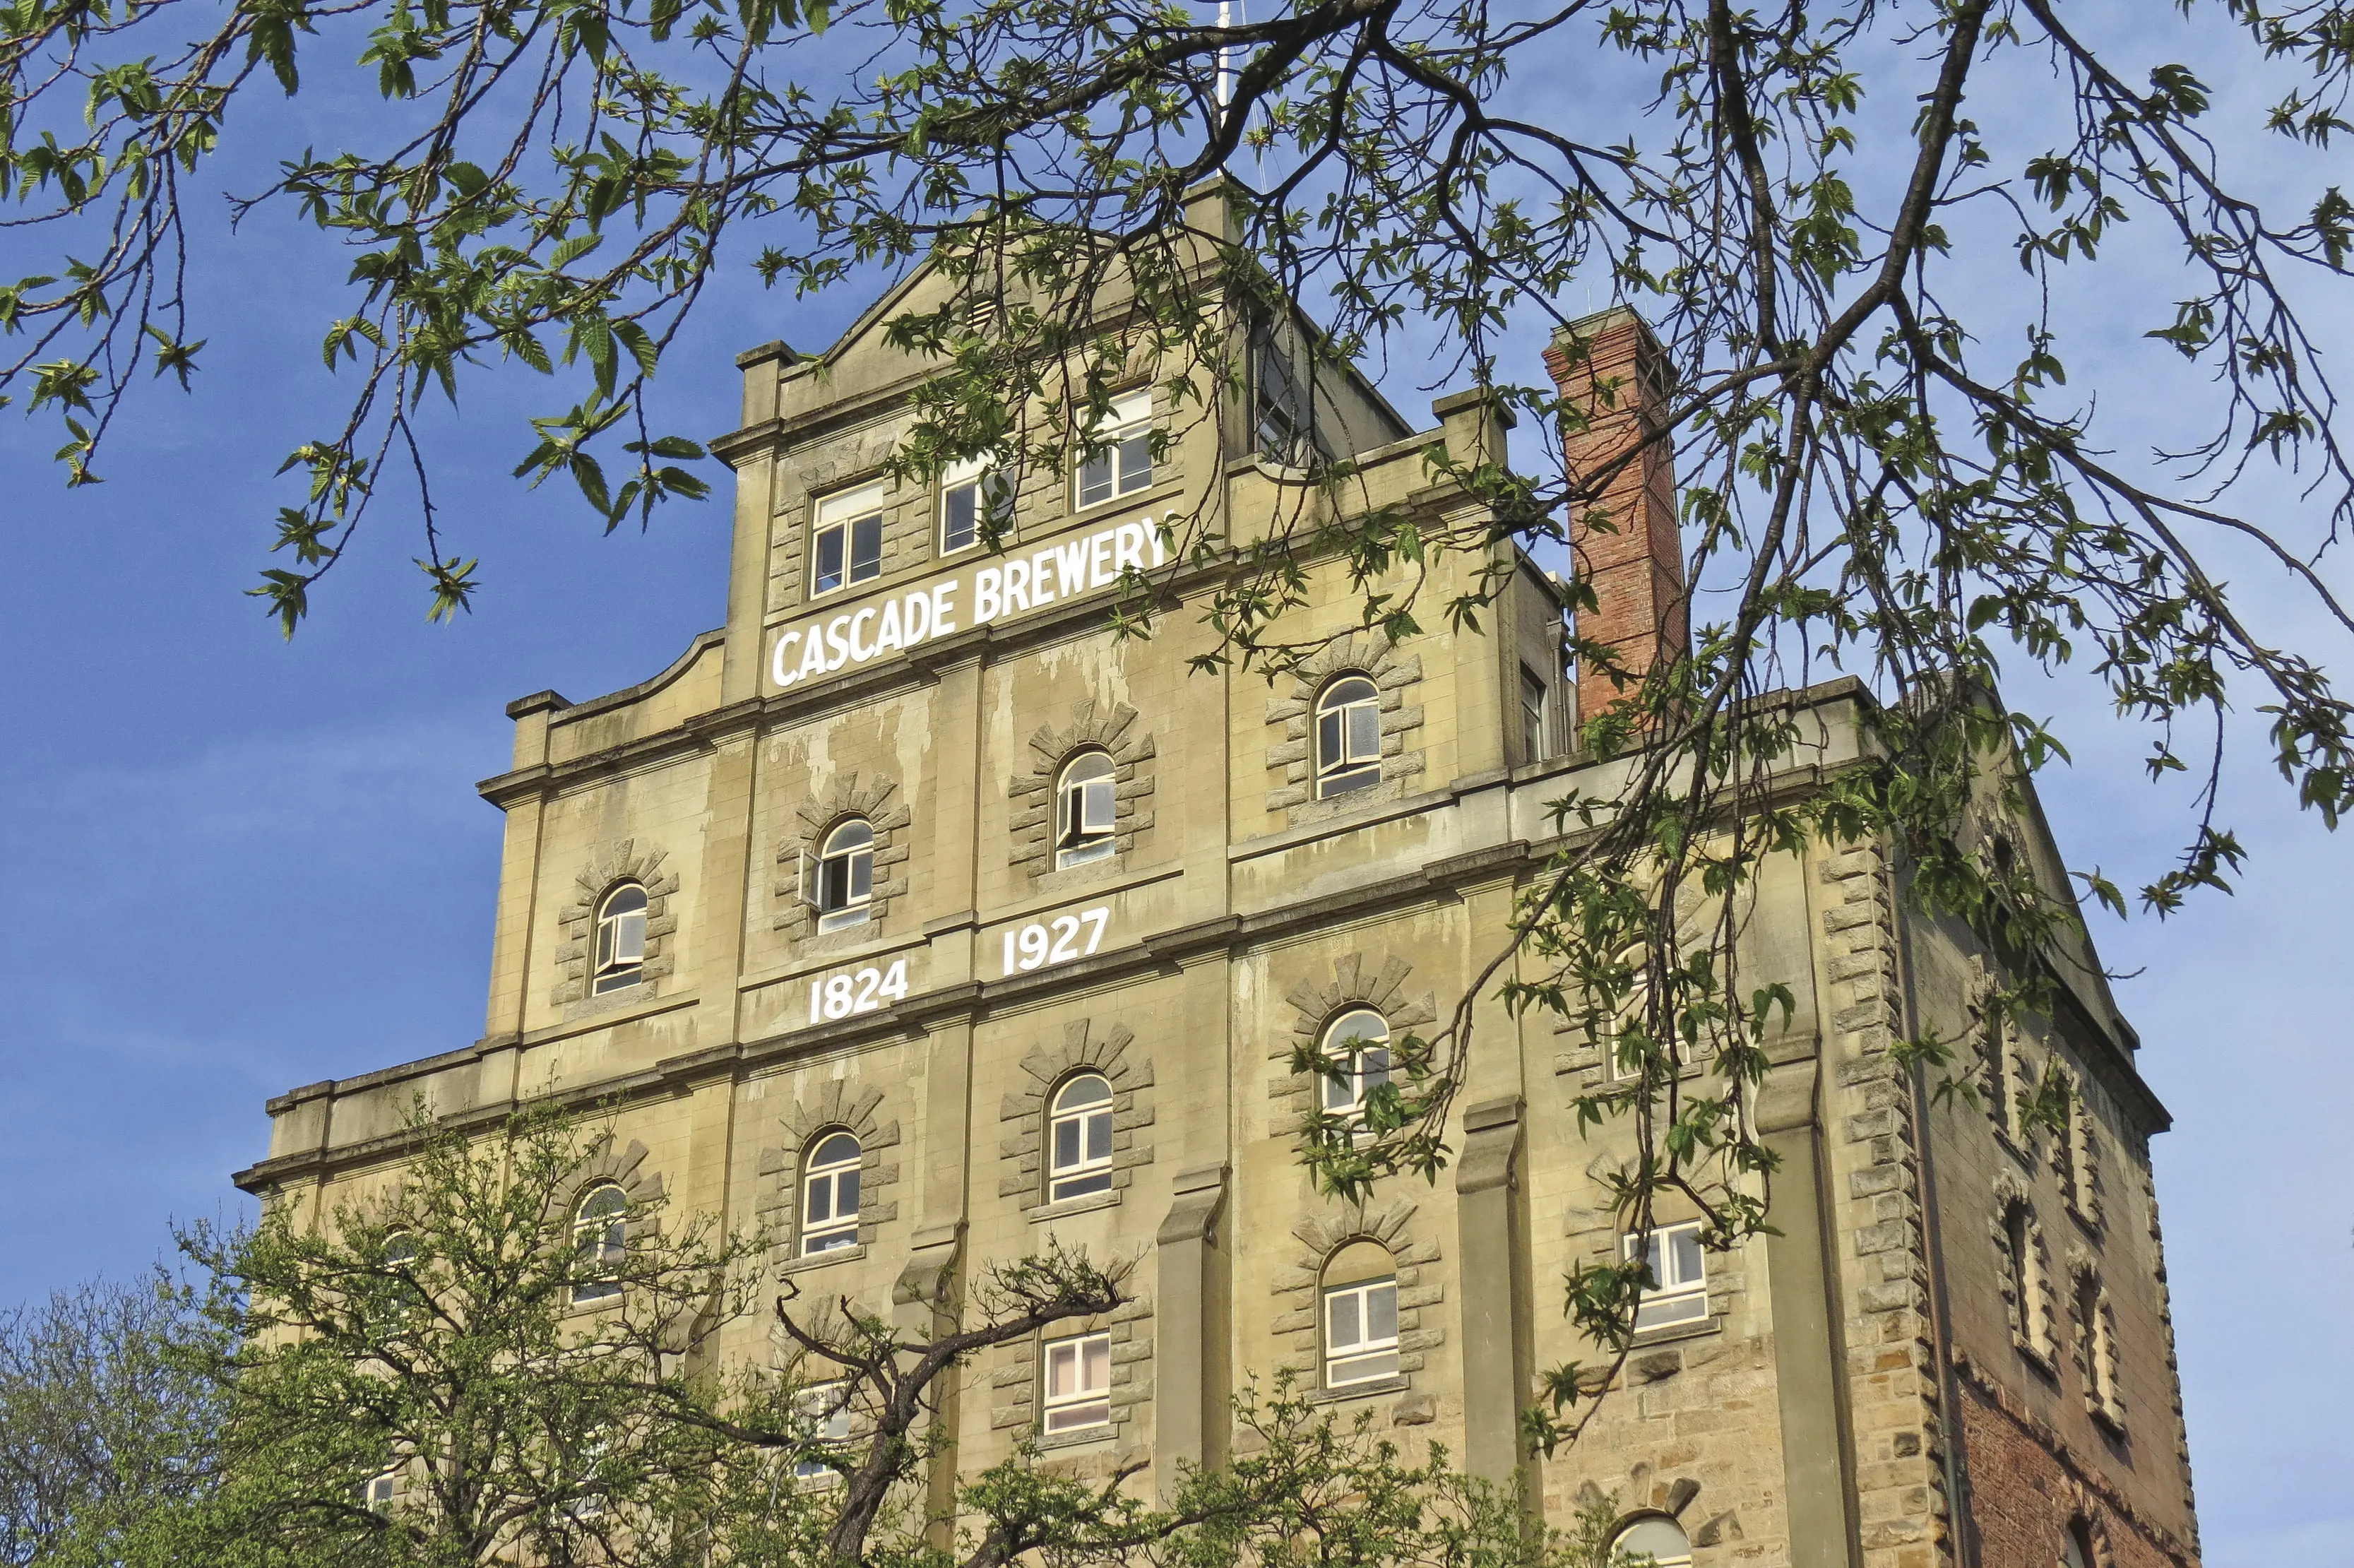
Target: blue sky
point(237, 865)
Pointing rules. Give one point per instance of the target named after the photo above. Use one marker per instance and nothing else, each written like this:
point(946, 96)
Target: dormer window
point(1083, 810)
point(1348, 736)
point(620, 939)
point(1117, 455)
point(846, 541)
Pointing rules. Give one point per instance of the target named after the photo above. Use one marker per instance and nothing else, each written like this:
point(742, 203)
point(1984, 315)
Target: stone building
point(913, 918)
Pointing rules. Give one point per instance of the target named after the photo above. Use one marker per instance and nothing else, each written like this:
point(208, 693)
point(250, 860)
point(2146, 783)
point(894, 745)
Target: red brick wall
point(2023, 1492)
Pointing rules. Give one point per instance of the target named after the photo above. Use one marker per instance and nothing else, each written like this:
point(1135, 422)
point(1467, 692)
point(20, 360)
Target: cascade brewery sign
point(1019, 584)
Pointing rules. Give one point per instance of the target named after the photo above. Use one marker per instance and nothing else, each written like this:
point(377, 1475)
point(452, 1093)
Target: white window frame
point(599, 1242)
point(1116, 442)
point(992, 493)
point(822, 1412)
point(378, 1492)
point(812, 876)
point(620, 956)
point(1673, 1298)
point(1343, 1094)
point(1086, 1173)
point(1356, 762)
point(1086, 811)
point(845, 514)
point(1370, 1357)
point(839, 1226)
point(1081, 1404)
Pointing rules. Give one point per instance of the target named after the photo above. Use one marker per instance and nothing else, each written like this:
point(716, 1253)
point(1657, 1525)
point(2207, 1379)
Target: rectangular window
point(1678, 1289)
point(821, 1411)
point(1077, 1379)
point(1122, 464)
point(1361, 1333)
point(1535, 732)
point(971, 493)
point(846, 543)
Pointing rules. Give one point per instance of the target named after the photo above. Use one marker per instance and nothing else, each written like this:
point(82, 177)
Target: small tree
point(106, 1423)
point(447, 1374)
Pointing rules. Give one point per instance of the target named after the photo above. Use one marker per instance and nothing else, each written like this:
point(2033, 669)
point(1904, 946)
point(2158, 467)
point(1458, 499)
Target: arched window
point(400, 1249)
point(1657, 1538)
point(845, 875)
point(1078, 1135)
point(2077, 1548)
point(1360, 1314)
point(600, 1238)
point(620, 939)
point(2097, 1326)
point(1348, 736)
point(1083, 810)
point(1357, 1044)
point(829, 1193)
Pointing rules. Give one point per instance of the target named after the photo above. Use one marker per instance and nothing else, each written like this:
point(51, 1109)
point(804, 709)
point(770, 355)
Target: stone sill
point(822, 1259)
point(1046, 1213)
point(1669, 1333)
point(1366, 1390)
point(1079, 1439)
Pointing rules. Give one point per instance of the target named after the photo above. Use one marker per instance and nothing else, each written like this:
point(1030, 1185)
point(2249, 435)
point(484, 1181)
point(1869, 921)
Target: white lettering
point(1071, 566)
point(1018, 585)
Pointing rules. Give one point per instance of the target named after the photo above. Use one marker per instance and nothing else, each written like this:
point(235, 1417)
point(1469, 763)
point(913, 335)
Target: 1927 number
point(840, 996)
point(1055, 941)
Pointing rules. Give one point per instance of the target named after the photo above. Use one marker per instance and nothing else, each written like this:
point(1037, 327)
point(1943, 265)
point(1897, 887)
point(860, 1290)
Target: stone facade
point(1859, 1390)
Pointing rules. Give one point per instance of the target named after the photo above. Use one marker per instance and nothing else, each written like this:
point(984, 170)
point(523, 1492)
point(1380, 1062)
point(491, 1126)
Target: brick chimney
point(1610, 364)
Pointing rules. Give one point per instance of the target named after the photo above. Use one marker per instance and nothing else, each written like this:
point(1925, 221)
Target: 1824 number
point(842, 996)
point(1055, 941)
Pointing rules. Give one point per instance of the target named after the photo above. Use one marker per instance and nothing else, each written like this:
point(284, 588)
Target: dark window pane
point(960, 524)
point(1098, 1138)
point(866, 548)
point(1135, 461)
point(1094, 479)
point(821, 1200)
point(828, 573)
point(861, 875)
point(1066, 1145)
point(845, 1194)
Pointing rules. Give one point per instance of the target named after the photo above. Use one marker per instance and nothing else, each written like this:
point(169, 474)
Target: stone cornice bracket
point(1491, 1145)
point(1200, 1197)
point(1785, 1101)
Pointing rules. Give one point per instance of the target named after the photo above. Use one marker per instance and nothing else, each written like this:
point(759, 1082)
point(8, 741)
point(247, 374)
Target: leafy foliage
point(1874, 477)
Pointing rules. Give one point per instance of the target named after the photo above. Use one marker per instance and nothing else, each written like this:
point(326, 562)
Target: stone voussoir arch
point(1393, 673)
point(1296, 1287)
point(853, 1108)
point(1108, 727)
point(873, 796)
point(1316, 1001)
point(1089, 1047)
point(606, 1166)
point(615, 863)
